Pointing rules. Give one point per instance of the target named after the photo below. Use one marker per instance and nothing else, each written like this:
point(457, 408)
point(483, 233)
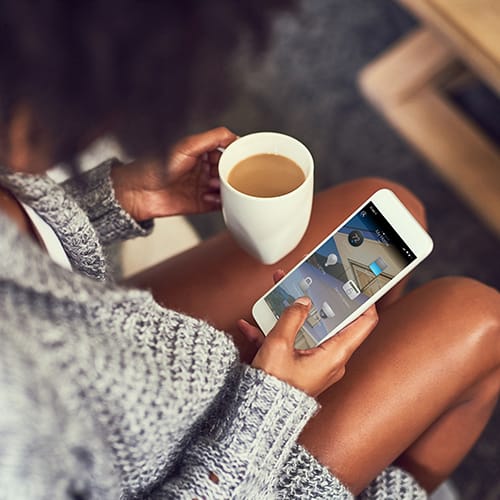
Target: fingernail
point(305, 301)
point(211, 198)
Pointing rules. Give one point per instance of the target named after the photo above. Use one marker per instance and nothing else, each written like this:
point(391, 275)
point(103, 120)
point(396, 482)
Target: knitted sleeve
point(243, 455)
point(93, 191)
point(161, 393)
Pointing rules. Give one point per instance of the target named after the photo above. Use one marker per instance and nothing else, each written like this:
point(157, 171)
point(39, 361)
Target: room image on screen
point(347, 269)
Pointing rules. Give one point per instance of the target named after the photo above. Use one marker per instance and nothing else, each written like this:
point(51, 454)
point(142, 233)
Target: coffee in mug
point(266, 216)
point(266, 175)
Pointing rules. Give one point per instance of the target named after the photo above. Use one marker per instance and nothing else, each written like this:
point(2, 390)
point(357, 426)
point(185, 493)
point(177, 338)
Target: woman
point(106, 393)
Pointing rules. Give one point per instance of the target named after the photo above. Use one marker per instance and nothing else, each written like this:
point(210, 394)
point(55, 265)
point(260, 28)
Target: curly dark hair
point(137, 68)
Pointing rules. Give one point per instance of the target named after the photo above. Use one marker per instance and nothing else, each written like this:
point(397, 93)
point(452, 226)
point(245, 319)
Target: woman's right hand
point(311, 370)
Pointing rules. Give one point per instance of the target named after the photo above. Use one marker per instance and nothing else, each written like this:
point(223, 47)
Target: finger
point(250, 332)
point(353, 335)
point(291, 321)
point(197, 144)
point(214, 183)
point(212, 199)
point(213, 157)
point(278, 275)
point(208, 178)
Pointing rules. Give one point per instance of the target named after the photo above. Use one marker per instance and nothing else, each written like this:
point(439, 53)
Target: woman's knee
point(484, 394)
point(475, 309)
point(366, 186)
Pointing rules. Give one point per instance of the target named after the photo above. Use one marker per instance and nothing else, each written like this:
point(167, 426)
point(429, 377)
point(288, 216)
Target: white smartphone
point(360, 261)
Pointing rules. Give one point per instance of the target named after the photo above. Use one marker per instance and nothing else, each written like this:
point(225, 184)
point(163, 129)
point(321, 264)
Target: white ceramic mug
point(267, 228)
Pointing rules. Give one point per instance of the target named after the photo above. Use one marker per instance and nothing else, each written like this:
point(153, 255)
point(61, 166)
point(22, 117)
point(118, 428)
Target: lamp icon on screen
point(331, 260)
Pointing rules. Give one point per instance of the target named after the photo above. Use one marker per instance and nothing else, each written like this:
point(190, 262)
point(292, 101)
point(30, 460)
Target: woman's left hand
point(187, 183)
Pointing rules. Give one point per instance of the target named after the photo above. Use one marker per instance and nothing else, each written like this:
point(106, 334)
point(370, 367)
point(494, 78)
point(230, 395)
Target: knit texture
point(84, 238)
point(105, 394)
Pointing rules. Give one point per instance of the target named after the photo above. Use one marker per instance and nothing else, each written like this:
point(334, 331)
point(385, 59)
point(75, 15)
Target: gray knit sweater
point(105, 394)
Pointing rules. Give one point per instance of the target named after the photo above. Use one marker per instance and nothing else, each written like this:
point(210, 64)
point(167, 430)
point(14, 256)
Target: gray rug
point(306, 87)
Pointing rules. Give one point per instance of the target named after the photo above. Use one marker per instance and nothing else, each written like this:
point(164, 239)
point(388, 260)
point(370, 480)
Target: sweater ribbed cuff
point(261, 426)
point(94, 192)
point(267, 410)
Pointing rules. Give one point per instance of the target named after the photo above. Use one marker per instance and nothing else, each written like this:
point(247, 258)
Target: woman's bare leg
point(427, 376)
point(420, 389)
point(219, 282)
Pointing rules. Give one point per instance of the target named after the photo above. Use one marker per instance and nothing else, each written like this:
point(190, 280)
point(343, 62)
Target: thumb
point(291, 321)
point(197, 144)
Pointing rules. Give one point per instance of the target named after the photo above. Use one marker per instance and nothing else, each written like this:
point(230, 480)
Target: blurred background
point(307, 86)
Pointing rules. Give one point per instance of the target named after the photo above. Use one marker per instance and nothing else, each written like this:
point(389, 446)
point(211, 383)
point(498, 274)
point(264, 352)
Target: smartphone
point(353, 267)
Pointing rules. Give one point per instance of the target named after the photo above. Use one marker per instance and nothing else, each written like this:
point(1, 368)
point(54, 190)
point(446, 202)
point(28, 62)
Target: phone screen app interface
point(347, 269)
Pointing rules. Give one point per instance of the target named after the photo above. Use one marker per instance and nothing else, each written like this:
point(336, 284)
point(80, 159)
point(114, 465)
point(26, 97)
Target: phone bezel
point(402, 221)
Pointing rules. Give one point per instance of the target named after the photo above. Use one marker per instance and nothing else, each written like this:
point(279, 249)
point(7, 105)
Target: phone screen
point(348, 268)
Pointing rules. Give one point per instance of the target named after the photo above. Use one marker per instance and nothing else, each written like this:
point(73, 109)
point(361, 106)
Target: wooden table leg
point(406, 85)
